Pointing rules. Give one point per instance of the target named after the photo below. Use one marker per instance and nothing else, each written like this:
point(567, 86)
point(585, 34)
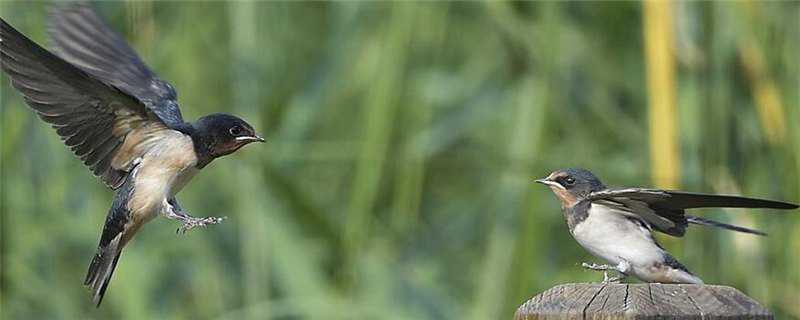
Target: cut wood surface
point(641, 301)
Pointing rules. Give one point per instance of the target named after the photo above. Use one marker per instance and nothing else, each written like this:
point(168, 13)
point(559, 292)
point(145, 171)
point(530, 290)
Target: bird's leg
point(618, 279)
point(607, 279)
point(623, 267)
point(175, 212)
point(597, 267)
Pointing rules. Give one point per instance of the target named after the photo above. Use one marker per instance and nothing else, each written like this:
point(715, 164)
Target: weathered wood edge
point(641, 301)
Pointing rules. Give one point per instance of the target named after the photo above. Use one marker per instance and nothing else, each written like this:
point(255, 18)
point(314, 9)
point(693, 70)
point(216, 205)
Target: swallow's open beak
point(542, 181)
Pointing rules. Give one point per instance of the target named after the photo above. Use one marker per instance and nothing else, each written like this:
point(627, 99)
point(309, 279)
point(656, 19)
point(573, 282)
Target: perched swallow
point(121, 120)
point(616, 224)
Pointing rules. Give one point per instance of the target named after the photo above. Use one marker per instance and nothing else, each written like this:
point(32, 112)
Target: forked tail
point(102, 268)
point(708, 222)
point(111, 242)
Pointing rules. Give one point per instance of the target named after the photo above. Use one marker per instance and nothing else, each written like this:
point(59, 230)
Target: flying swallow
point(121, 120)
point(616, 224)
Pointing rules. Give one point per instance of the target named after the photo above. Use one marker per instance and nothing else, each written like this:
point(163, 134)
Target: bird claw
point(190, 223)
point(610, 280)
point(597, 267)
point(605, 268)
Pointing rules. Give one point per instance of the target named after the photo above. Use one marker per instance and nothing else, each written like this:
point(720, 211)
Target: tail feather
point(677, 272)
point(111, 242)
point(708, 222)
point(102, 268)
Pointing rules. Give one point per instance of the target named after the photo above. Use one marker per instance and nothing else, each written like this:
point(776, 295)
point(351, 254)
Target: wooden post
point(641, 301)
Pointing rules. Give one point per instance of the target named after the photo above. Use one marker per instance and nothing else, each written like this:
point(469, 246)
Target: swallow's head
point(225, 133)
point(572, 185)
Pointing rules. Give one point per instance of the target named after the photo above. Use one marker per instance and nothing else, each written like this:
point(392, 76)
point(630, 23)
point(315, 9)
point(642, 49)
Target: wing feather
point(81, 37)
point(93, 119)
point(688, 200)
point(664, 209)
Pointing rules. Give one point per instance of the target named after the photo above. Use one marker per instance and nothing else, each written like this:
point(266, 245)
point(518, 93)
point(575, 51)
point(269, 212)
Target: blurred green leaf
point(402, 141)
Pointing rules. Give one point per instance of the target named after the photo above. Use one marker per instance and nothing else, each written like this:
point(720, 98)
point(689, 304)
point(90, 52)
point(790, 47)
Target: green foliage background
point(403, 138)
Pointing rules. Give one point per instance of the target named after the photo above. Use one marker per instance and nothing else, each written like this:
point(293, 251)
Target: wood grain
point(641, 301)
point(609, 304)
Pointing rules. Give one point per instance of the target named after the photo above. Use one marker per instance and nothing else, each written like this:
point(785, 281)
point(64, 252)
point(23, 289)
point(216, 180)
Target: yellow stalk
point(660, 62)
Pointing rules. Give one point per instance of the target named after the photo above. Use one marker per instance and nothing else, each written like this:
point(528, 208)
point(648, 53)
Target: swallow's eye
point(569, 181)
point(235, 130)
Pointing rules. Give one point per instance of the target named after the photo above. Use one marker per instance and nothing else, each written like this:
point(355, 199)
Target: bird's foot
point(597, 267)
point(173, 211)
point(190, 223)
point(622, 268)
point(609, 280)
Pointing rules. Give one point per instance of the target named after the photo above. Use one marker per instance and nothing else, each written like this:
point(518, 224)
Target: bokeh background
point(402, 142)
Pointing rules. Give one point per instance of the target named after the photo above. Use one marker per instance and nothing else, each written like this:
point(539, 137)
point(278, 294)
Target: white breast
point(164, 170)
point(608, 234)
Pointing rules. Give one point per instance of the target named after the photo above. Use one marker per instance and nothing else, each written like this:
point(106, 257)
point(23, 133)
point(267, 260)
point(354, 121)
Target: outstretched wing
point(664, 209)
point(688, 200)
point(106, 128)
point(82, 38)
